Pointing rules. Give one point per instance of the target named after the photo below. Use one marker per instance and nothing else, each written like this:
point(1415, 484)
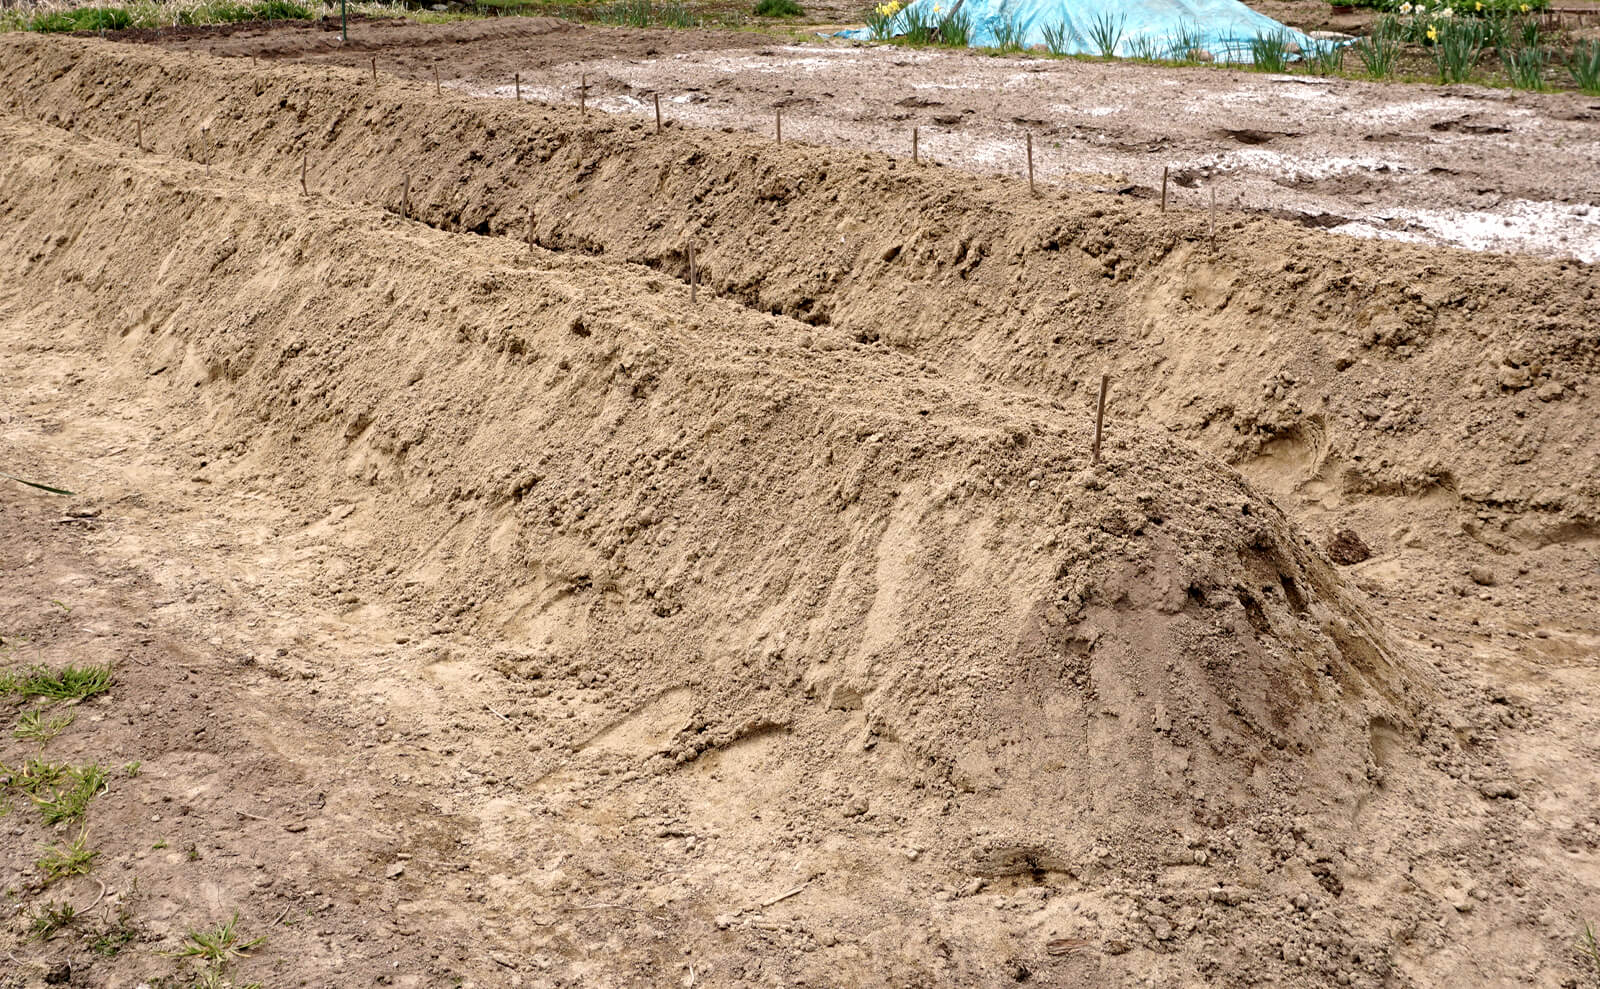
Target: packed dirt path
point(1485, 169)
point(595, 637)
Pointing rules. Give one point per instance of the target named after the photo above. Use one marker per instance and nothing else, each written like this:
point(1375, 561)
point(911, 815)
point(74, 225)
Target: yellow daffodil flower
point(1433, 34)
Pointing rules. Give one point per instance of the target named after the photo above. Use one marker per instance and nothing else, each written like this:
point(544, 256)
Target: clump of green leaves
point(955, 29)
point(1325, 58)
point(48, 919)
point(1589, 948)
point(74, 683)
point(1380, 50)
point(1457, 43)
point(1585, 66)
point(1525, 66)
point(1187, 44)
point(153, 14)
point(1058, 38)
point(75, 858)
point(1143, 48)
point(1106, 31)
point(117, 934)
point(219, 944)
point(33, 727)
point(918, 27)
point(778, 8)
point(1270, 52)
point(62, 792)
point(1009, 35)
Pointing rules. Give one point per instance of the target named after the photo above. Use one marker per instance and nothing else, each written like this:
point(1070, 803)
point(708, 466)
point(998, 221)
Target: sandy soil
point(1479, 168)
point(496, 615)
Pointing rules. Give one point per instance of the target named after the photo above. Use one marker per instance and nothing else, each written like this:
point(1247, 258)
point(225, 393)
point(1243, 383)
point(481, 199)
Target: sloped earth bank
point(571, 626)
point(1468, 166)
point(1348, 367)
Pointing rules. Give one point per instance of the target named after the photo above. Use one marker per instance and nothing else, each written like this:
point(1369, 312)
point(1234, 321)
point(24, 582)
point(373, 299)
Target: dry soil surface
point(493, 613)
point(1486, 169)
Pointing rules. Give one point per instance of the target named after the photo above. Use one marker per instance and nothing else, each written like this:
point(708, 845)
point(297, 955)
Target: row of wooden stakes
point(916, 151)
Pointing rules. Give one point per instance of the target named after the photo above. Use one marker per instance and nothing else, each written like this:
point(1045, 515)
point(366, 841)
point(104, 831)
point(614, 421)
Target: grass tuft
point(70, 683)
point(1187, 43)
point(1270, 52)
point(1325, 58)
point(1058, 38)
point(1106, 31)
point(46, 921)
point(32, 726)
point(1525, 66)
point(1009, 35)
point(152, 14)
point(779, 8)
point(1589, 948)
point(1379, 51)
point(1144, 48)
point(116, 935)
point(1457, 43)
point(1585, 67)
point(219, 944)
point(955, 29)
point(61, 792)
point(75, 858)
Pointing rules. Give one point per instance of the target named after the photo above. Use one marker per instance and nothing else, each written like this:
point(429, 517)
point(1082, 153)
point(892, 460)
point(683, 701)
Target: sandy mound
point(1340, 367)
point(739, 528)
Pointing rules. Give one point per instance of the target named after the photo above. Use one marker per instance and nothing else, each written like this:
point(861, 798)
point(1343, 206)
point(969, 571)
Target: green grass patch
point(149, 14)
point(75, 858)
point(33, 726)
point(779, 8)
point(1270, 52)
point(62, 792)
point(1584, 66)
point(1106, 32)
point(70, 683)
point(116, 935)
point(45, 921)
point(219, 944)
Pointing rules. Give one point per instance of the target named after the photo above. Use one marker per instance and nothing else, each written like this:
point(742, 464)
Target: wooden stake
point(658, 113)
point(405, 197)
point(1031, 190)
point(779, 112)
point(205, 140)
point(691, 271)
point(437, 89)
point(915, 158)
point(1213, 217)
point(374, 70)
point(1164, 170)
point(530, 230)
point(516, 80)
point(583, 94)
point(304, 159)
point(1100, 415)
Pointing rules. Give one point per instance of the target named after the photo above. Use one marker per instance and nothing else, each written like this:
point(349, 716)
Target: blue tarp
point(1158, 28)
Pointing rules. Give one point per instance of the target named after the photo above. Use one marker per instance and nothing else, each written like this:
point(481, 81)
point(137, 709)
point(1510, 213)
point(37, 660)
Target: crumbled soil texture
point(492, 613)
point(1423, 163)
